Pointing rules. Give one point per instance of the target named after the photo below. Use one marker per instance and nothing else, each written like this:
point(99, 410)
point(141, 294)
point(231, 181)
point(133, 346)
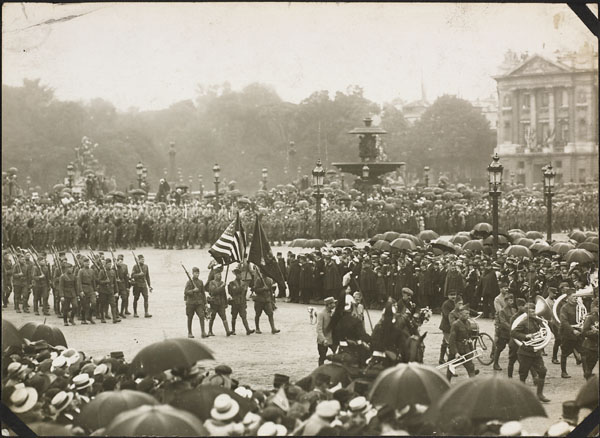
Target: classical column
point(516, 123)
point(572, 115)
point(533, 116)
point(590, 125)
point(551, 112)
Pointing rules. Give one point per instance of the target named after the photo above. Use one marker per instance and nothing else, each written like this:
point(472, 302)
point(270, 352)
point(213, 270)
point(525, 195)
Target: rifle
point(112, 256)
point(37, 265)
point(99, 265)
point(56, 260)
point(141, 271)
point(14, 256)
point(187, 273)
point(75, 259)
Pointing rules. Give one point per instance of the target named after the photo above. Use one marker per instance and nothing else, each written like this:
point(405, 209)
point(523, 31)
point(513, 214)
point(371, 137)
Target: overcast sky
point(152, 55)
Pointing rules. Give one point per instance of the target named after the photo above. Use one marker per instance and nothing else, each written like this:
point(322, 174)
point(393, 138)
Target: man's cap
point(329, 300)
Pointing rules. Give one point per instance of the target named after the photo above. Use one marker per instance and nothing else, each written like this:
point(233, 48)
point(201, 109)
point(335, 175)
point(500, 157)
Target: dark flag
point(261, 255)
point(231, 246)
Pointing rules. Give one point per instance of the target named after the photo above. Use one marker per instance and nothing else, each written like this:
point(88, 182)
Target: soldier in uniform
point(28, 271)
point(237, 290)
point(529, 359)
point(19, 277)
point(86, 288)
point(263, 288)
point(460, 341)
point(107, 288)
point(195, 302)
point(218, 302)
point(570, 334)
point(123, 285)
point(7, 269)
point(503, 321)
point(589, 355)
point(67, 293)
point(447, 307)
point(41, 285)
point(141, 285)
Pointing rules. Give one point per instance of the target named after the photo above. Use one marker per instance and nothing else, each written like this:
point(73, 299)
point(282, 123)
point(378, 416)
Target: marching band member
point(447, 307)
point(589, 333)
point(460, 341)
point(530, 359)
point(503, 321)
point(570, 334)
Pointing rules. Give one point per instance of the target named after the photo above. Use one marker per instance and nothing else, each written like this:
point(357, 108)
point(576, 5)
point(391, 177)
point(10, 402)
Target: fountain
point(369, 169)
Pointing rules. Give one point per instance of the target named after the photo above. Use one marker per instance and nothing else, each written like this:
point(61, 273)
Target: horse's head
point(416, 348)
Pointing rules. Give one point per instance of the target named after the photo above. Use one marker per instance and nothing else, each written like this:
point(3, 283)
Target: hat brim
point(66, 404)
point(32, 398)
point(228, 415)
point(79, 388)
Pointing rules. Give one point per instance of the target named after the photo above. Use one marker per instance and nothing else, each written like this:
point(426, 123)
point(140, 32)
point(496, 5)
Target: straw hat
point(359, 405)
point(224, 408)
point(81, 381)
point(271, 429)
point(23, 399)
point(101, 369)
point(59, 362)
point(328, 409)
point(62, 400)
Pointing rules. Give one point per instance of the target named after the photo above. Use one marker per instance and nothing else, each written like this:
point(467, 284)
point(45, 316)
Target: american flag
point(231, 246)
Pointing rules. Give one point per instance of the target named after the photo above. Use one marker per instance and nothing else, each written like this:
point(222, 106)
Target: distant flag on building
point(261, 255)
point(231, 246)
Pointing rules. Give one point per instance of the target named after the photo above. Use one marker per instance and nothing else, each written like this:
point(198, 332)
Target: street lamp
point(139, 170)
point(495, 170)
point(265, 176)
point(318, 175)
point(217, 173)
point(70, 173)
point(549, 175)
point(201, 185)
point(365, 172)
point(426, 172)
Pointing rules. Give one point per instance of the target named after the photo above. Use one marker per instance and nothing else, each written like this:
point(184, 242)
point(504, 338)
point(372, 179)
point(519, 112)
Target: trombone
point(452, 364)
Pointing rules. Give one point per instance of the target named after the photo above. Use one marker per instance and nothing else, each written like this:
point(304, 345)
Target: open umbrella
point(298, 243)
point(403, 244)
point(170, 353)
point(592, 239)
point(58, 187)
point(588, 394)
point(107, 405)
point(415, 239)
point(428, 235)
point(514, 235)
point(160, 420)
point(459, 239)
point(540, 246)
point(562, 248)
point(502, 240)
point(580, 256)
point(36, 331)
point(534, 235)
point(244, 201)
point(314, 243)
point(408, 384)
point(382, 245)
point(137, 192)
point(342, 243)
point(518, 251)
point(473, 245)
point(375, 238)
point(444, 246)
point(589, 234)
point(579, 236)
point(10, 335)
point(482, 229)
point(391, 235)
point(117, 194)
point(199, 401)
point(523, 241)
point(589, 246)
point(486, 398)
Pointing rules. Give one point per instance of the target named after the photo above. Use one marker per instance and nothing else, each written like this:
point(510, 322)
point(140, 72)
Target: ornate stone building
point(548, 113)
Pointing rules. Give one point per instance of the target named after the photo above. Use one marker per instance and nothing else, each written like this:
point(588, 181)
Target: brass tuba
point(543, 336)
point(580, 312)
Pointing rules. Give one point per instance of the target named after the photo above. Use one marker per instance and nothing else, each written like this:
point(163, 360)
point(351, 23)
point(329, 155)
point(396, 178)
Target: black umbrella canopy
point(10, 335)
point(588, 394)
point(36, 331)
point(170, 353)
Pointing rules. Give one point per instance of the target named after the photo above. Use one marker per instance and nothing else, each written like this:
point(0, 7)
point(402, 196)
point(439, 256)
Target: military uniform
point(123, 285)
point(569, 336)
point(530, 359)
point(195, 303)
point(67, 293)
point(218, 304)
point(19, 277)
point(41, 288)
point(263, 302)
point(107, 287)
point(460, 342)
point(237, 291)
point(86, 287)
point(589, 354)
point(7, 270)
point(141, 283)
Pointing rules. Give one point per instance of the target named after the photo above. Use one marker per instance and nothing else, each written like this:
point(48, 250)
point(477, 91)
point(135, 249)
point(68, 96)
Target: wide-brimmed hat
point(328, 409)
point(14, 368)
point(23, 399)
point(329, 300)
point(359, 405)
point(101, 369)
point(72, 356)
point(271, 429)
point(62, 400)
point(59, 362)
point(224, 408)
point(81, 381)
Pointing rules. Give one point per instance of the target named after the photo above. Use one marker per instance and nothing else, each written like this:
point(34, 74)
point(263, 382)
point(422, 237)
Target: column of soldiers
point(89, 288)
point(208, 301)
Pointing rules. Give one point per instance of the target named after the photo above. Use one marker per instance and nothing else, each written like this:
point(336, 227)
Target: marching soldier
point(530, 359)
point(447, 307)
point(107, 287)
point(263, 288)
point(460, 341)
point(7, 270)
point(141, 285)
point(28, 271)
point(218, 302)
point(570, 334)
point(503, 318)
point(19, 282)
point(41, 285)
point(237, 290)
point(195, 302)
point(123, 285)
point(67, 293)
point(589, 332)
point(86, 287)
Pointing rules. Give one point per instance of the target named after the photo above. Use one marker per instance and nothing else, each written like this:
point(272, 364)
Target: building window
point(582, 127)
point(507, 131)
point(545, 128)
point(545, 100)
point(525, 101)
point(521, 165)
point(564, 131)
point(581, 175)
point(507, 101)
point(581, 97)
point(563, 99)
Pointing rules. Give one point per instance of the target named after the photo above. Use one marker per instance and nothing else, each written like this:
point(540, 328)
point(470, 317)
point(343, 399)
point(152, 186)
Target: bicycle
point(483, 341)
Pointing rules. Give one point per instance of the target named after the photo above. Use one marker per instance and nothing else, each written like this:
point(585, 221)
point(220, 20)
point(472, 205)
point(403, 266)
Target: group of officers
point(87, 288)
point(208, 301)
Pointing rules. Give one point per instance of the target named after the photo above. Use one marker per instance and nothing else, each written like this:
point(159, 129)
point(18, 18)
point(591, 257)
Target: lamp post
point(549, 175)
point(217, 173)
point(426, 173)
point(200, 185)
point(70, 173)
point(318, 175)
point(495, 170)
point(265, 177)
point(139, 170)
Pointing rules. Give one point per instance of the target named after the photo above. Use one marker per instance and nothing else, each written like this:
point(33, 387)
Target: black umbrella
point(10, 335)
point(159, 420)
point(338, 373)
point(36, 331)
point(199, 401)
point(170, 353)
point(342, 243)
point(588, 394)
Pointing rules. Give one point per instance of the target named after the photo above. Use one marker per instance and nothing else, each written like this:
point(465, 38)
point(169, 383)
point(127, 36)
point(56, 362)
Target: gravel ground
point(256, 358)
